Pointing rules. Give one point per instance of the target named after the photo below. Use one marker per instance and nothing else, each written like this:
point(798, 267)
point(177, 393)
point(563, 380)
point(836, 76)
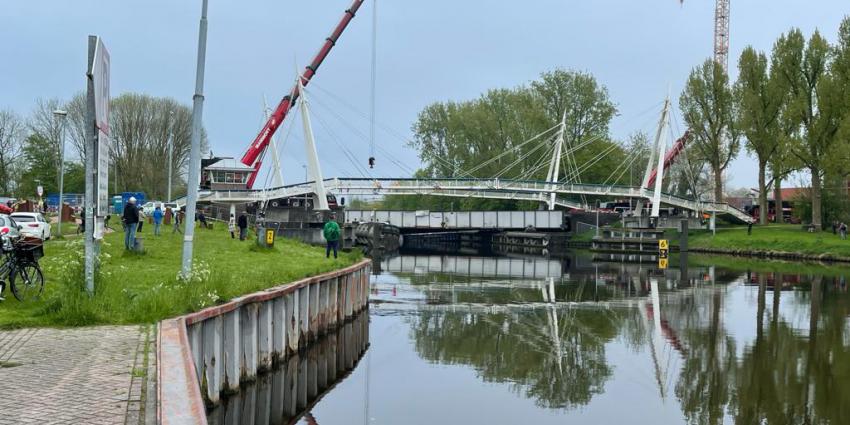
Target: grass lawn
point(785, 238)
point(144, 288)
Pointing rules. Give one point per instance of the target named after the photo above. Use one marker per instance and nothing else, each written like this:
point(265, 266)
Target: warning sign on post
point(662, 244)
point(662, 263)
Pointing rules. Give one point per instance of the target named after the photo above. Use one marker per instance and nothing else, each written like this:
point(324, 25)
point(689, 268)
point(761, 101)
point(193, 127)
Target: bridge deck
point(521, 190)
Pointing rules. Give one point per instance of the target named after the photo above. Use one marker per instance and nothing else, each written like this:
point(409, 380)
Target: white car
point(32, 225)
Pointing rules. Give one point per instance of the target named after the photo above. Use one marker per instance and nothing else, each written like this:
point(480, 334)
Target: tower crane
point(721, 33)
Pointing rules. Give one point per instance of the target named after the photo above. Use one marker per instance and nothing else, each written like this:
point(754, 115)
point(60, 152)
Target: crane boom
point(722, 15)
point(253, 157)
point(671, 155)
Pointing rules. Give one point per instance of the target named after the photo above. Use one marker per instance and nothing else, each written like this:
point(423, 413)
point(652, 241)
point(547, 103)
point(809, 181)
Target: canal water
point(526, 340)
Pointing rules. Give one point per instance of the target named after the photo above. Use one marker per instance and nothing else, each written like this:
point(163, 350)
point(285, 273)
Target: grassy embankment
point(771, 238)
point(144, 288)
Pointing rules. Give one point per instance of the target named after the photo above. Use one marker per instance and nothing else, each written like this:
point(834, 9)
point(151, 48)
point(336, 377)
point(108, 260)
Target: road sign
point(39, 190)
point(103, 147)
point(662, 244)
point(100, 76)
point(270, 237)
point(662, 263)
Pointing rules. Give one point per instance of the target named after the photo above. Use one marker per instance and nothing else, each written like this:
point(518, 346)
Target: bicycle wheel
point(27, 282)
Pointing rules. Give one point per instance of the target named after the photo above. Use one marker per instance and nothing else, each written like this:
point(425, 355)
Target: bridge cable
point(374, 74)
point(364, 173)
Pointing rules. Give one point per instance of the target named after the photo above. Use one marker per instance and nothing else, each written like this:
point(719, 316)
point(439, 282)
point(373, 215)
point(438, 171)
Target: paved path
point(72, 376)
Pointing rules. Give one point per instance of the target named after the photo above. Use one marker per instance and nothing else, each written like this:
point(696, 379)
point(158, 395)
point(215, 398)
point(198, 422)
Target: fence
point(213, 351)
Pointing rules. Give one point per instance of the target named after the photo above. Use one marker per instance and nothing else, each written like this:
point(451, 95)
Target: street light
point(60, 115)
point(170, 151)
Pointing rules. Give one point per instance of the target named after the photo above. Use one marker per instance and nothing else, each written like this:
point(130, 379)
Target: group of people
point(839, 228)
point(132, 220)
point(241, 223)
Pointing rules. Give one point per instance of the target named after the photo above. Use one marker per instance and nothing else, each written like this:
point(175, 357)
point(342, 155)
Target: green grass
point(145, 288)
point(784, 238)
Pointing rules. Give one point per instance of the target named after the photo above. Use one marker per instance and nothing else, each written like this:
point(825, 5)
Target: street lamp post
point(60, 115)
point(170, 153)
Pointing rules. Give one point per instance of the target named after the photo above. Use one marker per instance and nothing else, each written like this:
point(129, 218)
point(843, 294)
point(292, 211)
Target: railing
point(213, 351)
point(525, 190)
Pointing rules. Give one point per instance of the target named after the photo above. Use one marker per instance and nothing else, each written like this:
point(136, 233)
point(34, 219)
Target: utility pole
point(60, 115)
point(170, 152)
point(194, 178)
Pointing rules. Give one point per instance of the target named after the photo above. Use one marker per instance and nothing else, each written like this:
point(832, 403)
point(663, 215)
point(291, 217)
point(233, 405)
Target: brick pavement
point(72, 376)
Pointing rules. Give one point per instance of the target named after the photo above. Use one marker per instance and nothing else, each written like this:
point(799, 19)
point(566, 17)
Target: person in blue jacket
point(157, 220)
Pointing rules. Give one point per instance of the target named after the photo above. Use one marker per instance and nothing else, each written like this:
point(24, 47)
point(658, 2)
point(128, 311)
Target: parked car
point(32, 224)
point(148, 207)
point(8, 227)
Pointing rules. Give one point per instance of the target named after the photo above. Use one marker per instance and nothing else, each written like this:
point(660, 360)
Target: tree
point(48, 128)
point(41, 159)
point(814, 106)
point(709, 110)
point(140, 127)
point(11, 132)
point(760, 101)
point(486, 137)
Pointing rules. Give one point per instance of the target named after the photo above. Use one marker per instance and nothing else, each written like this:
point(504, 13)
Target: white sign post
point(97, 153)
point(39, 190)
point(100, 79)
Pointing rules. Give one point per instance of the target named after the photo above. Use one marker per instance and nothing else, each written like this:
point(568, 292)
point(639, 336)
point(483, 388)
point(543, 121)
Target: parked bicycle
point(20, 268)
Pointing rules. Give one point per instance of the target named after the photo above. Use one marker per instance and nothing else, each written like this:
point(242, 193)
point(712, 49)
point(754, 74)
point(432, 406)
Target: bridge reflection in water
point(287, 393)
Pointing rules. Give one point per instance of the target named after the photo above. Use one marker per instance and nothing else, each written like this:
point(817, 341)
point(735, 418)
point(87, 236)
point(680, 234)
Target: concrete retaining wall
point(205, 354)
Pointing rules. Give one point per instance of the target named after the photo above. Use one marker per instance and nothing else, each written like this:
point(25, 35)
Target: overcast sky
point(428, 51)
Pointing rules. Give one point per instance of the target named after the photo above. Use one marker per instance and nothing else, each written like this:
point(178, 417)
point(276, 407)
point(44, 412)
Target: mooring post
point(314, 311)
point(212, 330)
point(323, 306)
point(304, 315)
point(333, 296)
point(250, 342)
point(195, 333)
point(279, 329)
point(264, 336)
point(292, 317)
point(232, 350)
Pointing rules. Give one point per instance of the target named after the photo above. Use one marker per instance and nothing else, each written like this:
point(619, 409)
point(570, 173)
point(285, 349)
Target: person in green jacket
point(331, 233)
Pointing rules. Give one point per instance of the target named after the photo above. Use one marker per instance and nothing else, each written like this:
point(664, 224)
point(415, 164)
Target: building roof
point(792, 193)
point(225, 164)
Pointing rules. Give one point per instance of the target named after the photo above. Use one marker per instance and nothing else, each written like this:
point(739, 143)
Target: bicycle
point(20, 268)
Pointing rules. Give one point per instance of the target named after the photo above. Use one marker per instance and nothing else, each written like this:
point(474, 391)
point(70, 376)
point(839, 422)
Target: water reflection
point(722, 345)
point(294, 387)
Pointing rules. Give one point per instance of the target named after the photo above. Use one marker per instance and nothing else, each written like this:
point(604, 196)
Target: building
point(224, 173)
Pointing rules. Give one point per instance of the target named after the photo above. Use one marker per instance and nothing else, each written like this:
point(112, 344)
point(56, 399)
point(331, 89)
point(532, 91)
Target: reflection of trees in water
point(556, 357)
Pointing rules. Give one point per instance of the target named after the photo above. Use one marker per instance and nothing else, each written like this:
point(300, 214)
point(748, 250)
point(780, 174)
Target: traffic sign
point(663, 245)
point(39, 190)
point(662, 263)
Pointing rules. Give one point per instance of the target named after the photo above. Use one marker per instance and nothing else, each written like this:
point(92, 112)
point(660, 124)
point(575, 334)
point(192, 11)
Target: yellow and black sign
point(662, 263)
point(663, 245)
point(270, 237)
point(663, 253)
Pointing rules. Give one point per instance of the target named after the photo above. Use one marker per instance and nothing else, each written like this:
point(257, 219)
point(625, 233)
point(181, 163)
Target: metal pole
point(91, 172)
point(170, 154)
point(194, 178)
point(61, 115)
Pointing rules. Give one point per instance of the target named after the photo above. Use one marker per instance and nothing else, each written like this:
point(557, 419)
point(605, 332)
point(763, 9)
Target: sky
point(427, 51)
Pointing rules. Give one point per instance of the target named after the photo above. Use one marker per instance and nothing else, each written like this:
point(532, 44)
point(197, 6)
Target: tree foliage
point(486, 137)
point(709, 110)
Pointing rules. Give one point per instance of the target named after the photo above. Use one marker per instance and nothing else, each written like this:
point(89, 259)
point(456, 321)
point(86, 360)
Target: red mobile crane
point(671, 155)
point(254, 155)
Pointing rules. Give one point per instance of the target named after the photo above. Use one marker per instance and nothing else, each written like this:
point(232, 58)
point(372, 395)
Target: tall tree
point(814, 106)
point(40, 158)
point(11, 133)
point(141, 128)
point(709, 110)
point(760, 100)
point(44, 124)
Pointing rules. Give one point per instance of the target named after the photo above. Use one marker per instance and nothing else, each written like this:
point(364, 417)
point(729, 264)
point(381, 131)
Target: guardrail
point(211, 352)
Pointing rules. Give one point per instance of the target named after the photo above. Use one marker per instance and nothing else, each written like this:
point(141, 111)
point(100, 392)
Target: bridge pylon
point(555, 163)
point(656, 161)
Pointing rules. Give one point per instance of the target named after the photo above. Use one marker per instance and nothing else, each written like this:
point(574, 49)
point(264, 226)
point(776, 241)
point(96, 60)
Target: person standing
point(331, 232)
point(243, 226)
point(843, 230)
point(231, 226)
point(157, 220)
point(130, 219)
point(141, 214)
point(177, 218)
